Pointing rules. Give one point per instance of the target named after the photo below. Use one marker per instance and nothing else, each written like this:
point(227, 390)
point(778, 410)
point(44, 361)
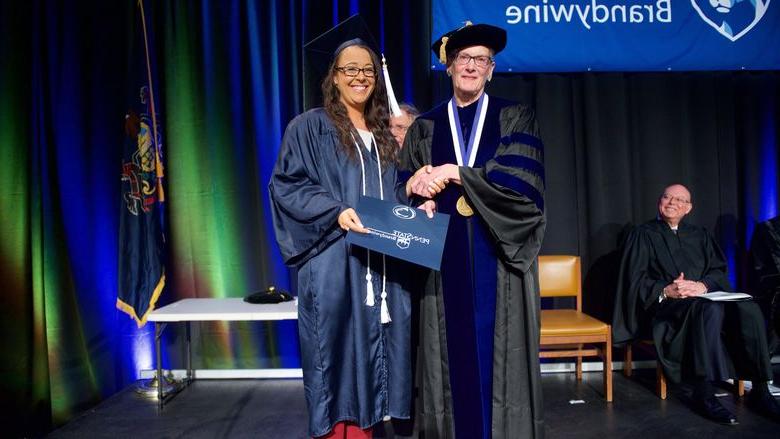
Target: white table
point(203, 310)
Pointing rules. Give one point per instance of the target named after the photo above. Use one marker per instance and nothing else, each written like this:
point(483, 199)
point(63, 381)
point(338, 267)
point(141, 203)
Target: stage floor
point(276, 409)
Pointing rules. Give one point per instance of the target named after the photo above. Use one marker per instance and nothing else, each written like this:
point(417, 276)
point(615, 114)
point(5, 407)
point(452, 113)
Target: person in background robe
point(399, 125)
point(353, 306)
point(765, 276)
point(666, 265)
point(479, 317)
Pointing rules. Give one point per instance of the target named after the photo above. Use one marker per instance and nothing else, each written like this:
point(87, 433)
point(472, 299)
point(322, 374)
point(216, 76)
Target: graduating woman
point(480, 315)
point(353, 311)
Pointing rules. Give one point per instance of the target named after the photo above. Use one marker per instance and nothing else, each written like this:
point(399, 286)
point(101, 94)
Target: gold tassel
point(443, 50)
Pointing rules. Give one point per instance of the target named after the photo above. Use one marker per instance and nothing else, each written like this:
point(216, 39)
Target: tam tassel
point(443, 50)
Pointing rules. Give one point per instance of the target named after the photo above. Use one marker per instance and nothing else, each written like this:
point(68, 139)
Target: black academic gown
point(479, 317)
point(354, 368)
point(765, 274)
point(765, 256)
point(653, 257)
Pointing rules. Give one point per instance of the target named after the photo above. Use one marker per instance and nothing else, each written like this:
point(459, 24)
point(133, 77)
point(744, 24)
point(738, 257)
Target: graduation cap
point(487, 35)
point(269, 295)
point(318, 54)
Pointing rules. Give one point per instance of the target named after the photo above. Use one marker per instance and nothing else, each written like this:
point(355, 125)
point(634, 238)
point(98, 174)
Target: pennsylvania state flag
point(141, 232)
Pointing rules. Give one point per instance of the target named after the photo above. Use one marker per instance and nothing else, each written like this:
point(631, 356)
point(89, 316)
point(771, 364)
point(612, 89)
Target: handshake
point(428, 181)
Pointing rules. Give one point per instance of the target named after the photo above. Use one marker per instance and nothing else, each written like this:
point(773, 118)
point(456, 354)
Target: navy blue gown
point(354, 368)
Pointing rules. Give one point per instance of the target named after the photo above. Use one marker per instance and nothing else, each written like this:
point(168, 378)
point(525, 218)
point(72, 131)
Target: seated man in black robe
point(765, 279)
point(666, 264)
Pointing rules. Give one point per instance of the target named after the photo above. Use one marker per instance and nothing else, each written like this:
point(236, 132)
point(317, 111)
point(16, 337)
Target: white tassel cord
point(384, 311)
point(369, 284)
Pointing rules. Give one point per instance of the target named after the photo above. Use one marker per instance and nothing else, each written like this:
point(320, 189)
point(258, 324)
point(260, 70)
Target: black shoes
point(763, 403)
point(712, 409)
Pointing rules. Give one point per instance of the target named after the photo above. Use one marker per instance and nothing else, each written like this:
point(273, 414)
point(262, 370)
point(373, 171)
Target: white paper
point(723, 296)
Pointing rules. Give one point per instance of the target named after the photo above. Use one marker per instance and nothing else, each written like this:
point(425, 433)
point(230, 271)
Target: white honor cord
point(384, 313)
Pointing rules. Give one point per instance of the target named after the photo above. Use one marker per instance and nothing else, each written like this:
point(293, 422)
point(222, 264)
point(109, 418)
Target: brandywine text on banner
point(624, 35)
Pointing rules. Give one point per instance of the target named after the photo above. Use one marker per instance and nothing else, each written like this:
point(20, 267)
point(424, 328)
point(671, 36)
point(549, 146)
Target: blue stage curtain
point(230, 83)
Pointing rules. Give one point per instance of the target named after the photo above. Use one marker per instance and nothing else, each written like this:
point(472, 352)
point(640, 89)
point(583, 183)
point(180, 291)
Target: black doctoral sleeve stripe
point(518, 185)
point(524, 138)
point(523, 162)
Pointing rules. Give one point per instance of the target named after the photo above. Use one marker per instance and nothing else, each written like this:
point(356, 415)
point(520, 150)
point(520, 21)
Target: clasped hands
point(428, 181)
point(681, 288)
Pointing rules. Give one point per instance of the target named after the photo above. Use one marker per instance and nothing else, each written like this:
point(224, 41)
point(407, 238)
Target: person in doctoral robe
point(666, 265)
point(479, 316)
point(353, 304)
point(765, 276)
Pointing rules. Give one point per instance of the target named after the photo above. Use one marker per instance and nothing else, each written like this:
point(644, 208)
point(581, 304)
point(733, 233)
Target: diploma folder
point(400, 231)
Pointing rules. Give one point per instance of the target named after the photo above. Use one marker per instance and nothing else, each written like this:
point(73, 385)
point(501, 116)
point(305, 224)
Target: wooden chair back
point(560, 276)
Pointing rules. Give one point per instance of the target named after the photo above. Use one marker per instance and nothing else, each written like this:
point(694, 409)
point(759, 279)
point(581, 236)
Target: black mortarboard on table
point(469, 35)
point(318, 54)
point(269, 295)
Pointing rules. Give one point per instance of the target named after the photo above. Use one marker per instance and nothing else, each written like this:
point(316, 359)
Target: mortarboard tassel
point(392, 103)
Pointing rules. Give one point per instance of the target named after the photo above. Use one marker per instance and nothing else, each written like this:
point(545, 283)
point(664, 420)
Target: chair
point(628, 367)
point(660, 378)
point(566, 332)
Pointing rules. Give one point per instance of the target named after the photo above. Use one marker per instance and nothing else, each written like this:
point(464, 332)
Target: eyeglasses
point(352, 71)
point(399, 128)
point(678, 200)
point(480, 60)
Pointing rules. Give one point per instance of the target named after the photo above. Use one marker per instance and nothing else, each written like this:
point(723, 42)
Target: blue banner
point(623, 35)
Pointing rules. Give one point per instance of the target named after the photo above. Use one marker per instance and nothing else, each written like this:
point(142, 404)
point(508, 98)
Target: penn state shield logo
point(402, 240)
point(731, 18)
